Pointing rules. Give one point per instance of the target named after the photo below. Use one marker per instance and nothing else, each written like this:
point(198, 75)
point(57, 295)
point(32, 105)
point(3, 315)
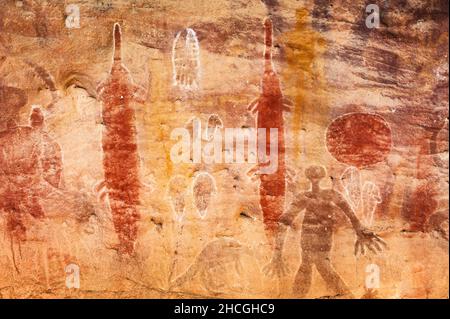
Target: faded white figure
point(72, 276)
point(186, 60)
point(203, 188)
point(370, 200)
point(176, 193)
point(351, 183)
point(363, 197)
point(219, 267)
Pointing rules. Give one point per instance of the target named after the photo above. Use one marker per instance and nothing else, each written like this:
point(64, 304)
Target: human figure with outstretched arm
point(320, 206)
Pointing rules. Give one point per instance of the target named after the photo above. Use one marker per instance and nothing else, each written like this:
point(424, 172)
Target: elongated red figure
point(269, 108)
point(120, 153)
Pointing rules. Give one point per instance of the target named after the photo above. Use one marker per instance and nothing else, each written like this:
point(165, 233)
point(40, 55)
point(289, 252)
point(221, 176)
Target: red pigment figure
point(30, 166)
point(203, 187)
point(120, 153)
point(269, 107)
point(359, 139)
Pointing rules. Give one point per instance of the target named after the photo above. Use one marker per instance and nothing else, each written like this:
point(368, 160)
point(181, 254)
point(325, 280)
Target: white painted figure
point(186, 60)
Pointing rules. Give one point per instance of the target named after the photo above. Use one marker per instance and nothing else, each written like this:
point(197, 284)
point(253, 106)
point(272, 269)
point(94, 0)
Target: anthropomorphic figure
point(320, 206)
point(269, 108)
point(30, 168)
point(120, 151)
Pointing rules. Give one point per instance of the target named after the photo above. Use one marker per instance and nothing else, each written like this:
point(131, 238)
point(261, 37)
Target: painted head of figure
point(118, 69)
point(117, 37)
point(270, 83)
point(315, 173)
point(36, 118)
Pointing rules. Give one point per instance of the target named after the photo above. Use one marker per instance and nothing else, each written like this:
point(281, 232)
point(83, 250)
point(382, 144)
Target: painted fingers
point(369, 241)
point(275, 268)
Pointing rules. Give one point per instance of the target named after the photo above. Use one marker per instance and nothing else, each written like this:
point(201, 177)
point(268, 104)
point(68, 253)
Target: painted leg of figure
point(329, 274)
point(16, 231)
point(15, 225)
point(302, 281)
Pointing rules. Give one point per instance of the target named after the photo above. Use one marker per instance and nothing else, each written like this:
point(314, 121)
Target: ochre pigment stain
point(120, 153)
point(303, 47)
point(269, 107)
point(359, 139)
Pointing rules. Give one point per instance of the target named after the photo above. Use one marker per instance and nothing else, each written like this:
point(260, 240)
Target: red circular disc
point(359, 139)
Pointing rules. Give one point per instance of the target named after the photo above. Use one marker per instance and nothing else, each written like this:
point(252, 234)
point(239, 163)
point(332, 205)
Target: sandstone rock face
point(119, 177)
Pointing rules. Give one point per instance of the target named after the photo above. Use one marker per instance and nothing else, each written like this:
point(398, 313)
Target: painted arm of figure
point(276, 265)
point(140, 94)
point(101, 88)
point(253, 106)
point(365, 238)
point(288, 105)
